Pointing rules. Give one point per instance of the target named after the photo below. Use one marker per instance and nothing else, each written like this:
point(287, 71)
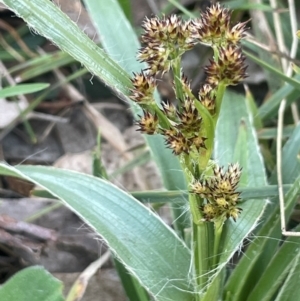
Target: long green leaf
point(32, 284)
point(290, 290)
point(270, 108)
point(281, 262)
point(138, 237)
point(295, 83)
point(49, 21)
point(234, 115)
point(22, 89)
point(258, 254)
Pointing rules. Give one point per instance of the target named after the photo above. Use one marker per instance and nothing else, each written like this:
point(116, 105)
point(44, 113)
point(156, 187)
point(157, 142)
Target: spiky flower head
point(236, 33)
point(229, 68)
point(165, 40)
point(178, 143)
point(143, 88)
point(148, 124)
point(189, 118)
point(213, 28)
point(207, 96)
point(157, 57)
point(170, 110)
point(220, 192)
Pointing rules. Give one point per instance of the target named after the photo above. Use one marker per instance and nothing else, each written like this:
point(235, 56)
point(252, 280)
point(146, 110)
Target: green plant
point(219, 125)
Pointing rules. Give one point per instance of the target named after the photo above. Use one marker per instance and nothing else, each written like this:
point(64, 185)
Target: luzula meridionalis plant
point(189, 126)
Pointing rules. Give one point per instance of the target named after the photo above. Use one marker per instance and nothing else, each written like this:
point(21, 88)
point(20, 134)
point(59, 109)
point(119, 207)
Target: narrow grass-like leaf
point(252, 107)
point(132, 287)
point(281, 262)
point(22, 89)
point(42, 65)
point(271, 133)
point(270, 108)
point(138, 160)
point(290, 290)
point(32, 284)
point(137, 236)
point(49, 21)
point(258, 254)
point(295, 83)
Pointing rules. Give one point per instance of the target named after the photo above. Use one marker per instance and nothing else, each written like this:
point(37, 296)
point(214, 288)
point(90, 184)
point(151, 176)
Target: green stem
point(30, 131)
point(217, 238)
point(219, 98)
point(209, 128)
point(201, 255)
point(163, 120)
point(200, 238)
point(177, 78)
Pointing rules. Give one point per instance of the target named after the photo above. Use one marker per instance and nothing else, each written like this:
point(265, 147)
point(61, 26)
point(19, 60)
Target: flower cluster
point(188, 127)
point(214, 28)
point(220, 193)
point(165, 40)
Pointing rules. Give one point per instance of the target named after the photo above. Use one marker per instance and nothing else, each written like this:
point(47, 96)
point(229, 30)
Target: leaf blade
point(139, 238)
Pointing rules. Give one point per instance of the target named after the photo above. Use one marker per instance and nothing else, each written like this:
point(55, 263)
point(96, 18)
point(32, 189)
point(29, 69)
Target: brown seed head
point(220, 192)
point(201, 188)
point(207, 97)
point(229, 68)
point(148, 123)
point(143, 88)
point(189, 118)
point(212, 27)
point(178, 143)
point(236, 33)
point(170, 110)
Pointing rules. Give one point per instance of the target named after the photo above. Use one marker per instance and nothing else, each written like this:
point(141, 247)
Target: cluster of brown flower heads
point(220, 193)
point(165, 41)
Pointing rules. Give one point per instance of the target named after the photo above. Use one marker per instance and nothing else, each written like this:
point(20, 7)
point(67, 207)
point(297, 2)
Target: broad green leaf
point(121, 43)
point(258, 254)
point(117, 37)
point(126, 6)
point(151, 196)
point(234, 126)
point(22, 89)
point(49, 21)
point(139, 238)
point(32, 284)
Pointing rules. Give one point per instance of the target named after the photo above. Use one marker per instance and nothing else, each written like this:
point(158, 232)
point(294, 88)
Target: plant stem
point(217, 237)
point(177, 78)
point(201, 255)
point(220, 93)
point(163, 120)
